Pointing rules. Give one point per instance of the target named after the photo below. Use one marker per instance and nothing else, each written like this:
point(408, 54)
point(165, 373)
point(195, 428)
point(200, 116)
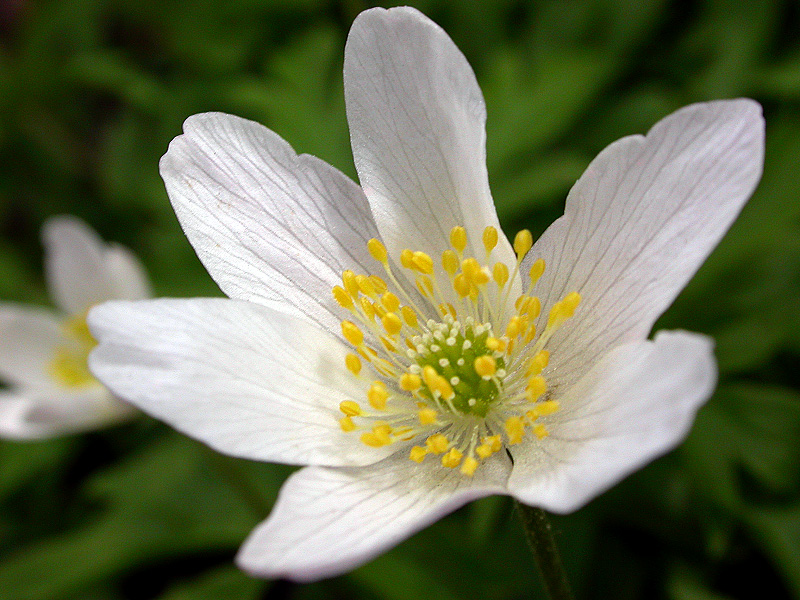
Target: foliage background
point(91, 92)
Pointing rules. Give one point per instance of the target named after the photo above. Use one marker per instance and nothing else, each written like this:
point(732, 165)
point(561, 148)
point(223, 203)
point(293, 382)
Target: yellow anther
point(522, 243)
point(390, 302)
point(458, 238)
point(514, 327)
point(425, 286)
point(537, 269)
point(342, 297)
point(495, 344)
point(515, 429)
point(500, 274)
point(452, 458)
point(540, 431)
point(407, 259)
point(437, 443)
point(548, 407)
point(538, 363)
point(367, 307)
point(535, 388)
point(346, 423)
point(349, 281)
point(531, 333)
point(489, 238)
point(410, 382)
point(383, 432)
point(378, 283)
point(418, 454)
point(377, 395)
point(485, 366)
point(532, 415)
point(521, 303)
point(388, 343)
point(563, 309)
point(495, 442)
point(422, 262)
point(365, 285)
point(450, 262)
point(461, 285)
point(474, 272)
point(352, 333)
point(427, 416)
point(372, 440)
point(350, 408)
point(469, 466)
point(377, 250)
point(353, 364)
point(379, 310)
point(409, 316)
point(483, 451)
point(392, 323)
point(533, 307)
point(436, 383)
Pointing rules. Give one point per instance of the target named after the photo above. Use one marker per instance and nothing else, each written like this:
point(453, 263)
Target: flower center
point(450, 365)
point(69, 367)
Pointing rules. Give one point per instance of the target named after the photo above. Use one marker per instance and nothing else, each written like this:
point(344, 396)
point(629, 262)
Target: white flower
point(535, 379)
point(43, 352)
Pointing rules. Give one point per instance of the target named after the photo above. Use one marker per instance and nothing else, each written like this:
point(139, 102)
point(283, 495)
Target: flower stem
point(543, 545)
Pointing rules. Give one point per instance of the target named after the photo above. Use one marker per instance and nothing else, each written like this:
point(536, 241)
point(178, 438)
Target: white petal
point(30, 414)
point(126, 276)
point(29, 338)
point(241, 377)
point(328, 521)
point(74, 264)
point(269, 225)
point(637, 403)
point(642, 219)
point(417, 127)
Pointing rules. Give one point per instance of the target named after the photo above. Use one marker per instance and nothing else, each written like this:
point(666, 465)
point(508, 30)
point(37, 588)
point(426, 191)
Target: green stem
point(543, 545)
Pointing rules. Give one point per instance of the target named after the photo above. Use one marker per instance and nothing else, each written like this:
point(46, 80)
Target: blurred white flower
point(391, 338)
point(43, 352)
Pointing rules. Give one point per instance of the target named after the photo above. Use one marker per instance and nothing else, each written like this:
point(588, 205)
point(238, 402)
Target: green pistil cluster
point(452, 349)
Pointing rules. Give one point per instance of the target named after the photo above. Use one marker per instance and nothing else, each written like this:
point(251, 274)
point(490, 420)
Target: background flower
point(43, 353)
point(93, 93)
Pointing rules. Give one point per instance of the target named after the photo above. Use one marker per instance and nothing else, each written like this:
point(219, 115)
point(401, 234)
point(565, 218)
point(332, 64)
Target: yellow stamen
point(353, 364)
point(452, 459)
point(410, 382)
point(515, 430)
point(437, 443)
point(537, 269)
point(535, 388)
point(409, 316)
point(392, 323)
point(548, 407)
point(427, 416)
point(407, 259)
point(342, 297)
point(390, 302)
point(346, 423)
point(350, 408)
point(500, 274)
point(378, 251)
point(458, 238)
point(449, 262)
point(378, 395)
point(469, 466)
point(422, 262)
point(540, 431)
point(418, 454)
point(349, 281)
point(485, 366)
point(522, 243)
point(352, 333)
point(365, 285)
point(538, 363)
point(489, 238)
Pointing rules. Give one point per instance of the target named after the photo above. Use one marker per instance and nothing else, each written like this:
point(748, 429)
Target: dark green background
point(91, 92)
